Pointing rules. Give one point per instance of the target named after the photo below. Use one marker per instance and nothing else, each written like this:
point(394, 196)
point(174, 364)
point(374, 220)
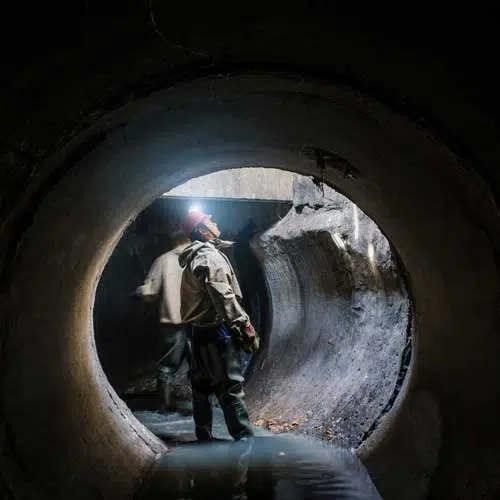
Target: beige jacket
point(210, 292)
point(165, 276)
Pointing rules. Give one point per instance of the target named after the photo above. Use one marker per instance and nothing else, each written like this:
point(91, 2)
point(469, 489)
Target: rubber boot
point(164, 387)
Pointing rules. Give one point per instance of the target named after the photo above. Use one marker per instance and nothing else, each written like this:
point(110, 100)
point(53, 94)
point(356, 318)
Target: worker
point(221, 329)
point(164, 278)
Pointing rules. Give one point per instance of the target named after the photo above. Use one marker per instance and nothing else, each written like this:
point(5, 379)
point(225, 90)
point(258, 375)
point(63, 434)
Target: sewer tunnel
point(321, 284)
point(65, 433)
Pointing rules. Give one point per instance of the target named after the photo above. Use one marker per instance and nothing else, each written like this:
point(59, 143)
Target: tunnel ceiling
point(242, 183)
point(430, 180)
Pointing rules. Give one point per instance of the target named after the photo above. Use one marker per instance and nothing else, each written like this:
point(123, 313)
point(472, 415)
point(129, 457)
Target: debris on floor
point(278, 426)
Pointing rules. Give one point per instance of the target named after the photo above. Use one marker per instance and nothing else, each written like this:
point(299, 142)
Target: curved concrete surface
point(338, 327)
point(64, 432)
point(339, 324)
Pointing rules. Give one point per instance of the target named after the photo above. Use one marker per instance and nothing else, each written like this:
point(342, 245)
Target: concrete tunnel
point(320, 282)
point(79, 168)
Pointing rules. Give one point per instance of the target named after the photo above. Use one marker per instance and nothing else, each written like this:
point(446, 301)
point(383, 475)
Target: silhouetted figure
point(164, 280)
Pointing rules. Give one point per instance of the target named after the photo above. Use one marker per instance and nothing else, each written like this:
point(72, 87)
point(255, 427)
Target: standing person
point(164, 278)
point(221, 329)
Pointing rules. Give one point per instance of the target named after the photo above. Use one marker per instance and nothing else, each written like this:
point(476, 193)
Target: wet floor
point(179, 428)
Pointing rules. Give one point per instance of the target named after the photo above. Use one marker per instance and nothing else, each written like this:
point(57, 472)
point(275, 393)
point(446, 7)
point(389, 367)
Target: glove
point(250, 339)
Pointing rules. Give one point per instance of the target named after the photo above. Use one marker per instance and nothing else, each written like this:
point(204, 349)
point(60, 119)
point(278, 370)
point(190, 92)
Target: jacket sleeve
point(215, 273)
point(152, 284)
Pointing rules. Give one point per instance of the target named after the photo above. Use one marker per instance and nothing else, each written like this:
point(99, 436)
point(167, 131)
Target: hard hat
point(192, 220)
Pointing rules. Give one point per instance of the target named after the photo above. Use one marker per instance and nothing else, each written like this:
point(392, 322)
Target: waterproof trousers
point(175, 348)
point(217, 368)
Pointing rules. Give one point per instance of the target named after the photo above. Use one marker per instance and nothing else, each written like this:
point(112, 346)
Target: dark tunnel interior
point(320, 283)
point(99, 122)
point(125, 330)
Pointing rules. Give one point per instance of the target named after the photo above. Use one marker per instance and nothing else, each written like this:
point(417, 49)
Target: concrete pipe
point(64, 431)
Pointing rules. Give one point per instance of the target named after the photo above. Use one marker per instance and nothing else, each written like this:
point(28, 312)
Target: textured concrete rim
point(250, 110)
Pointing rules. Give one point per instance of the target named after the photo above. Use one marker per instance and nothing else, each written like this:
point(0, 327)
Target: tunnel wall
point(339, 320)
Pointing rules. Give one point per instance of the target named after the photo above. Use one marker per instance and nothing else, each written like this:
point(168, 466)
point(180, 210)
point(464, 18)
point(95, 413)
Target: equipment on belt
point(250, 340)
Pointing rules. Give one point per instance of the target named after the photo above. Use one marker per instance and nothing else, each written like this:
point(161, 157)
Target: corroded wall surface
point(339, 319)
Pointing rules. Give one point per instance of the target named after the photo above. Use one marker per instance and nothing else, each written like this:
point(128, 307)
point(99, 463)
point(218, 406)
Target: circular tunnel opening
point(91, 446)
point(320, 282)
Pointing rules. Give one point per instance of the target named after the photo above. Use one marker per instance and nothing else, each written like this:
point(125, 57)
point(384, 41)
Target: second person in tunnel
point(221, 329)
point(164, 280)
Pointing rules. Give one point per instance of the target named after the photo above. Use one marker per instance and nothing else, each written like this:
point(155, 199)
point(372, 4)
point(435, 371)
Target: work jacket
point(165, 277)
point(210, 292)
